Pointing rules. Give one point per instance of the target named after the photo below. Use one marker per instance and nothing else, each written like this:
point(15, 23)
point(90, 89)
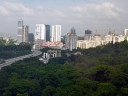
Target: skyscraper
point(71, 40)
point(47, 32)
point(42, 32)
point(56, 33)
point(20, 31)
point(25, 33)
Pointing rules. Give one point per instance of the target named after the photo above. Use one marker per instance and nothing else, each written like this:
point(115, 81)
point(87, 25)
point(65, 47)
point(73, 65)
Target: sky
point(100, 16)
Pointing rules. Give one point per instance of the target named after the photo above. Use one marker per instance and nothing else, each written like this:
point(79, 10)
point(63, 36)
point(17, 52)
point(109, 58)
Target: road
point(13, 60)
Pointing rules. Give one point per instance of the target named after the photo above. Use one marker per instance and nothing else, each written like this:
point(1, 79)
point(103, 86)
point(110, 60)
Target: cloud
point(4, 11)
point(105, 10)
point(39, 7)
point(97, 11)
point(9, 8)
point(80, 14)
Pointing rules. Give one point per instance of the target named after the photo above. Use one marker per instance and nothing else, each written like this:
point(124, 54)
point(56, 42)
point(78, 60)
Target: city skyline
point(90, 14)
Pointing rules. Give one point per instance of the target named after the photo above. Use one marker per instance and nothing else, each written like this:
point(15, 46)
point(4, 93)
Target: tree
point(106, 89)
point(100, 73)
point(49, 91)
point(123, 92)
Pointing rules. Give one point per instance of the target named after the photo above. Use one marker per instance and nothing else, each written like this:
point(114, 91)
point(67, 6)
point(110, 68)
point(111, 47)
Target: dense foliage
point(12, 50)
point(101, 71)
point(46, 49)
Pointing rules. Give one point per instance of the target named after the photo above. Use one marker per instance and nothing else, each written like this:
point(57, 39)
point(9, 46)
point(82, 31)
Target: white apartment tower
point(56, 33)
point(40, 33)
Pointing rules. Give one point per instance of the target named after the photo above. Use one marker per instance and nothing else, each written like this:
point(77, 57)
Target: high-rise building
point(22, 34)
point(20, 31)
point(71, 40)
point(47, 32)
point(56, 33)
point(42, 32)
point(25, 33)
point(31, 37)
point(88, 35)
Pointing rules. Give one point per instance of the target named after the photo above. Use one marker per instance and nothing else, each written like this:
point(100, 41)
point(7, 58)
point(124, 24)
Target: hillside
point(100, 71)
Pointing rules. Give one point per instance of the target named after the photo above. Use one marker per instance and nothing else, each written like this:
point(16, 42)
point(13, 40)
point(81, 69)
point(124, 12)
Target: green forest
point(100, 71)
point(10, 50)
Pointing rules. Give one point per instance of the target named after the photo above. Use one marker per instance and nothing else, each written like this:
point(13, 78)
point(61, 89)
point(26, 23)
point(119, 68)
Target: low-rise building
point(39, 44)
point(50, 54)
point(97, 40)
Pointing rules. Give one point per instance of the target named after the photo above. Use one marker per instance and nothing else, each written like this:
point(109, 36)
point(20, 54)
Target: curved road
point(12, 60)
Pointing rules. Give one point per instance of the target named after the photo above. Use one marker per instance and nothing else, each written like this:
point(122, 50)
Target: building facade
point(25, 33)
point(42, 32)
point(71, 41)
point(39, 44)
point(31, 37)
point(20, 31)
point(98, 40)
point(23, 30)
point(47, 32)
point(88, 35)
point(125, 32)
point(56, 33)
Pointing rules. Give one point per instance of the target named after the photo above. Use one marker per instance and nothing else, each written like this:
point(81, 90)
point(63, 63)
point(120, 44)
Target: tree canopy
point(12, 50)
point(100, 71)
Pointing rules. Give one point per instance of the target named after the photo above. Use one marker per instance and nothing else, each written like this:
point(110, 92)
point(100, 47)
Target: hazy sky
point(100, 15)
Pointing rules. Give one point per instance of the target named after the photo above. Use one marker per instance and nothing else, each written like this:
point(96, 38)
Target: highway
point(13, 60)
